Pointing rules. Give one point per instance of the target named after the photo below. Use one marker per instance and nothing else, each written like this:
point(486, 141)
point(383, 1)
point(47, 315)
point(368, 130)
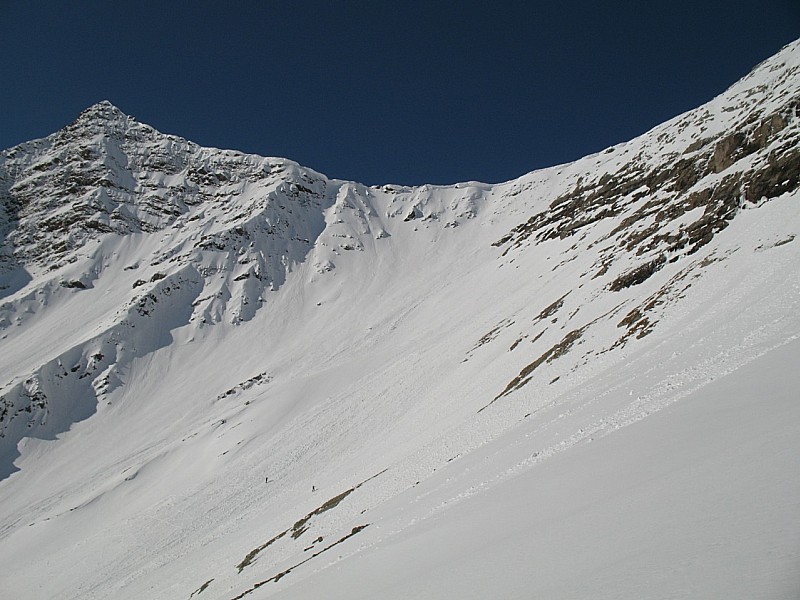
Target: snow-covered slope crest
point(163, 213)
point(110, 193)
point(178, 323)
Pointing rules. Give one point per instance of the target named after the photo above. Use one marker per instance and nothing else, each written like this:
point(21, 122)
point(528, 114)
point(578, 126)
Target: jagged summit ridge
point(104, 114)
point(104, 109)
point(108, 173)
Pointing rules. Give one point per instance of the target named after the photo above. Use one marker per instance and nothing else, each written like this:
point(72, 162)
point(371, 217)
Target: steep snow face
point(179, 324)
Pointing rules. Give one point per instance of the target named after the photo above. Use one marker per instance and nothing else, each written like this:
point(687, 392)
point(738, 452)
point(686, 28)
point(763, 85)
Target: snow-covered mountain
point(227, 376)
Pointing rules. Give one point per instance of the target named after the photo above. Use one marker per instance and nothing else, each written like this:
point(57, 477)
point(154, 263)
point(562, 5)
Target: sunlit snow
point(226, 376)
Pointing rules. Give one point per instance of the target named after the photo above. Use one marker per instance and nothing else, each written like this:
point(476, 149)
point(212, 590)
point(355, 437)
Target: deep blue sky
point(376, 91)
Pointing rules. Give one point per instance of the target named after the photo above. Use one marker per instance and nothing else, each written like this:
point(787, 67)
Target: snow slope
point(575, 384)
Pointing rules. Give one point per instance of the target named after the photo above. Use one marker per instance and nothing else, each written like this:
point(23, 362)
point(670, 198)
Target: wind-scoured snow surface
point(225, 376)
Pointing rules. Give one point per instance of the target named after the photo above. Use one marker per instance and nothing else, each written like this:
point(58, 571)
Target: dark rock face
point(780, 175)
point(737, 145)
point(637, 275)
point(711, 175)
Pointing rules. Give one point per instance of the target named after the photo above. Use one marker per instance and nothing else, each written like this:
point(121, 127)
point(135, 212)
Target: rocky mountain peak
point(103, 119)
point(102, 111)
